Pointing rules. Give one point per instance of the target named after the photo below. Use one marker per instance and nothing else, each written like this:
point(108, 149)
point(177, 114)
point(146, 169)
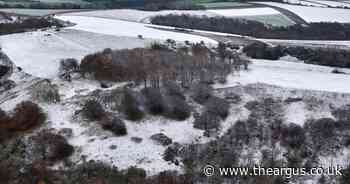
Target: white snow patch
point(341, 159)
point(315, 14)
point(316, 43)
point(38, 53)
point(292, 75)
point(129, 29)
point(305, 3)
point(296, 113)
point(95, 145)
point(137, 15)
point(245, 12)
point(336, 4)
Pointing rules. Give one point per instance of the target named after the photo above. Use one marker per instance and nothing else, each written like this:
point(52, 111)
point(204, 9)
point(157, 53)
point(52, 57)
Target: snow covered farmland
point(245, 12)
point(305, 3)
point(42, 50)
point(38, 53)
point(130, 29)
point(316, 14)
point(334, 4)
point(264, 14)
point(292, 75)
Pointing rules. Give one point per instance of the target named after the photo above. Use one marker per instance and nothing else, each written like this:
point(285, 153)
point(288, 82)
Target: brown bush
point(27, 115)
point(49, 146)
point(4, 118)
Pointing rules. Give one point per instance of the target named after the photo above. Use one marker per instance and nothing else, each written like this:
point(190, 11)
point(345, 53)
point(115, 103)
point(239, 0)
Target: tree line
point(312, 31)
point(150, 5)
point(320, 56)
point(27, 24)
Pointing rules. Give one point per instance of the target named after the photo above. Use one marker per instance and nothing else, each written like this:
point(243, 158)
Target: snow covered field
point(129, 29)
point(332, 3)
point(136, 15)
point(292, 75)
point(316, 14)
point(264, 15)
point(39, 52)
point(305, 3)
point(245, 12)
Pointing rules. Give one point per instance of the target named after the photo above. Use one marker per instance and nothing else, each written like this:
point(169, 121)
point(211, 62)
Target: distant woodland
point(313, 31)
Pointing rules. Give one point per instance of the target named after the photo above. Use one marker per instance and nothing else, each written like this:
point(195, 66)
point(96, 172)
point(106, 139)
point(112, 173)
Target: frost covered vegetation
point(150, 66)
point(25, 131)
point(155, 115)
point(164, 74)
point(312, 31)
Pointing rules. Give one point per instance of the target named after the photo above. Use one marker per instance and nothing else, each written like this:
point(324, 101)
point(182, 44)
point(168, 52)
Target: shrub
point(201, 93)
point(322, 128)
point(158, 46)
point(323, 134)
point(342, 113)
point(173, 89)
point(115, 125)
point(337, 71)
point(260, 50)
point(93, 110)
point(177, 108)
point(27, 24)
point(51, 147)
point(4, 118)
point(26, 116)
point(5, 135)
point(95, 172)
point(161, 139)
point(44, 91)
point(4, 122)
point(207, 121)
point(131, 106)
point(135, 174)
point(345, 178)
point(154, 100)
point(68, 65)
point(217, 106)
point(233, 98)
point(172, 152)
point(293, 136)
point(251, 105)
point(6, 85)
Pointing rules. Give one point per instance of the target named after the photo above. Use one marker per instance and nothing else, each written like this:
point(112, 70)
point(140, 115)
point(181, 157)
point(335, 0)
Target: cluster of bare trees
point(152, 66)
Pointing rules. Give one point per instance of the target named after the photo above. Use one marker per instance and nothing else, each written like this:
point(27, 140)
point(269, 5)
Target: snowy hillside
point(163, 102)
